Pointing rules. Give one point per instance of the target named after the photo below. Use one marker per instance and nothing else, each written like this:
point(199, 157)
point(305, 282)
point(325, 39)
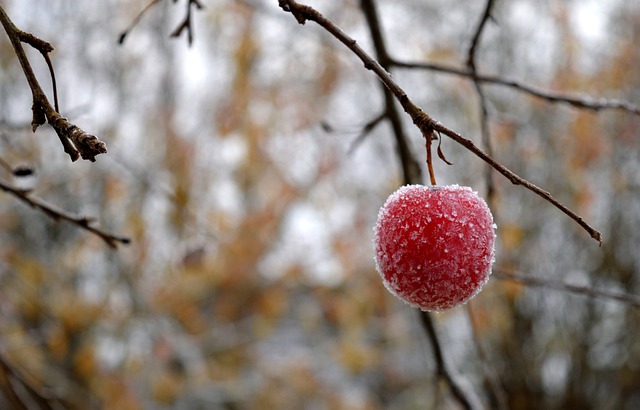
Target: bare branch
point(424, 122)
point(76, 142)
point(58, 214)
point(550, 96)
point(505, 274)
point(516, 179)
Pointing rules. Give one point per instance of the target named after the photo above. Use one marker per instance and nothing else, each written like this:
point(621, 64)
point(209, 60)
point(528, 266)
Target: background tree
point(247, 170)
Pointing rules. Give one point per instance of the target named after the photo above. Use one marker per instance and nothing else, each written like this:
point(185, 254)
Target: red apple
point(434, 246)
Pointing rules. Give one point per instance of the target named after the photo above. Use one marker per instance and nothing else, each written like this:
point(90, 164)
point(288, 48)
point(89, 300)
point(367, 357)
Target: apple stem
point(428, 138)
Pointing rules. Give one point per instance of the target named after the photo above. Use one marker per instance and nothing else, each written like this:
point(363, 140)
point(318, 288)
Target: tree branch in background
point(58, 214)
point(186, 24)
point(441, 368)
point(76, 142)
point(427, 125)
point(585, 103)
point(508, 275)
point(471, 54)
point(496, 388)
point(410, 167)
point(484, 112)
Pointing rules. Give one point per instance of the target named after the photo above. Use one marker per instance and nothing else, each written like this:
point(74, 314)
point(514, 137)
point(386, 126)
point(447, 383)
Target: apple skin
point(434, 246)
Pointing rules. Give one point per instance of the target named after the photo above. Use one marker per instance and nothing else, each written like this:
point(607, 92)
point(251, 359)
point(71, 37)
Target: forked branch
point(76, 142)
point(186, 24)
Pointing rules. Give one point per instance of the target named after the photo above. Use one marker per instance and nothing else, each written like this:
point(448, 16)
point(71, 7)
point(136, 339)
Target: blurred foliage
point(250, 282)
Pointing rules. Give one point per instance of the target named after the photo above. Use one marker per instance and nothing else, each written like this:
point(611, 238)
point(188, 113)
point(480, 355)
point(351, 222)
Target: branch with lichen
point(76, 142)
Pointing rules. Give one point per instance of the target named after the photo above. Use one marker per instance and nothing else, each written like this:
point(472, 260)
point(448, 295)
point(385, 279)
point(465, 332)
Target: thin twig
point(56, 105)
point(441, 367)
point(58, 214)
point(366, 130)
point(514, 276)
point(135, 22)
point(550, 96)
point(427, 125)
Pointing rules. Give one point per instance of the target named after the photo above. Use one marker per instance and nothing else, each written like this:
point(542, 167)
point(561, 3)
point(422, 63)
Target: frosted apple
point(434, 246)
